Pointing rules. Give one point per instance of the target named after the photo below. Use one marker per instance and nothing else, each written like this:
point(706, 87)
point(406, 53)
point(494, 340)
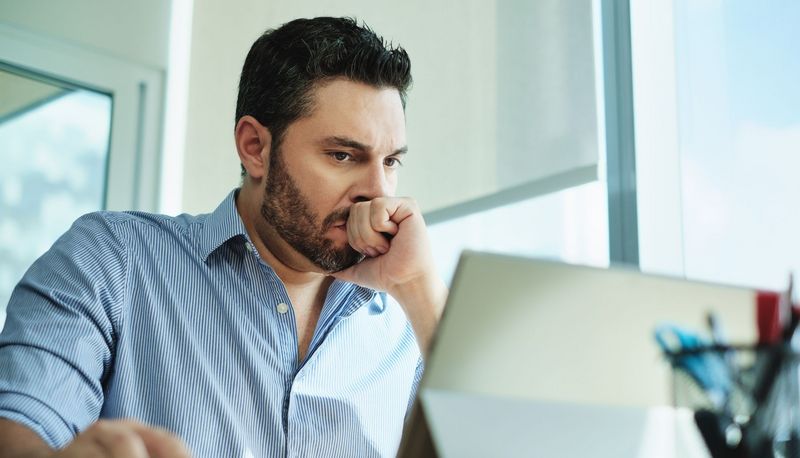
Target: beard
point(287, 210)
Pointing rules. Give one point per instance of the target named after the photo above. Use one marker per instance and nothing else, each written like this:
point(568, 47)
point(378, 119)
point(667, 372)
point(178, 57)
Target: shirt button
point(282, 308)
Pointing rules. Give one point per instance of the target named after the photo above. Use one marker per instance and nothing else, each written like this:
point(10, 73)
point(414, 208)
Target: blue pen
point(707, 368)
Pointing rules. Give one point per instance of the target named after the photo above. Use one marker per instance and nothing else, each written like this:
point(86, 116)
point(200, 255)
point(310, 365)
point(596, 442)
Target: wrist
point(423, 301)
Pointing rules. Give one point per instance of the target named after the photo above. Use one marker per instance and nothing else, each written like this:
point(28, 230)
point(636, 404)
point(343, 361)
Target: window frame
point(133, 171)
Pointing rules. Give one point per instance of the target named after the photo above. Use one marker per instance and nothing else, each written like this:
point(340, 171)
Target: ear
point(253, 144)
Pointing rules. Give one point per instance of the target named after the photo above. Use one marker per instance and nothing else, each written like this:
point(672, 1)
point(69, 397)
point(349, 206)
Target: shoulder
point(129, 227)
point(138, 221)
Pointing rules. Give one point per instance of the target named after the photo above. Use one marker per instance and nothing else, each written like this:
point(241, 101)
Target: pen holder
point(746, 399)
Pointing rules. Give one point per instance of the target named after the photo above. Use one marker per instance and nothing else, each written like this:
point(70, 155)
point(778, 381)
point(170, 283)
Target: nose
point(371, 184)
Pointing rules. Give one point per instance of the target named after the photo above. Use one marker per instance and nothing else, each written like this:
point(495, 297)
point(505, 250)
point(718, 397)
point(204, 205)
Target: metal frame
point(623, 229)
point(65, 86)
point(620, 145)
point(525, 191)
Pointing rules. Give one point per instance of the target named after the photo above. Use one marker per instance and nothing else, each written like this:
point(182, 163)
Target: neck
point(294, 270)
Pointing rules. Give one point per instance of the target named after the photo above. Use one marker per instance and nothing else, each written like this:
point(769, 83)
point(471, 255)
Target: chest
point(233, 372)
point(216, 359)
point(306, 319)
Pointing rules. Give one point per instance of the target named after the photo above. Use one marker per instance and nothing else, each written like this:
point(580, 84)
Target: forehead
point(370, 115)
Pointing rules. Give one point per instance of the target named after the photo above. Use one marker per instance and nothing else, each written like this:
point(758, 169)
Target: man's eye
point(392, 162)
point(340, 156)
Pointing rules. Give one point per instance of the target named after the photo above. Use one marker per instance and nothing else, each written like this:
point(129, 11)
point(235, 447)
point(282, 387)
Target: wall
point(454, 128)
point(503, 94)
point(134, 31)
point(450, 38)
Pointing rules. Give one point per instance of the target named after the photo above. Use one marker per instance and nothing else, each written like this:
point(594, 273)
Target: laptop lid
point(542, 358)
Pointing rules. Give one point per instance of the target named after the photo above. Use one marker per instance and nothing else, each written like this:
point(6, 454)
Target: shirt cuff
point(36, 416)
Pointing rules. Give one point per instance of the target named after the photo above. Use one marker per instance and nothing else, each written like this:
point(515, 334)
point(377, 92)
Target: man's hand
point(104, 439)
point(124, 439)
point(391, 232)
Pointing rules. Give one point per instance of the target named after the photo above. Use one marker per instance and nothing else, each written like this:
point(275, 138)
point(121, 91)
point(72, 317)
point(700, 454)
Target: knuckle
point(123, 439)
point(181, 450)
point(170, 439)
point(100, 427)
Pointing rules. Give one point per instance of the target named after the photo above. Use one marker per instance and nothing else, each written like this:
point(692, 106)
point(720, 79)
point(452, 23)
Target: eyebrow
point(347, 142)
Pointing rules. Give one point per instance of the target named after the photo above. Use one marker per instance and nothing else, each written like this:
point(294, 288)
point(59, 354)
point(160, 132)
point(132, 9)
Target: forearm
point(20, 442)
point(423, 302)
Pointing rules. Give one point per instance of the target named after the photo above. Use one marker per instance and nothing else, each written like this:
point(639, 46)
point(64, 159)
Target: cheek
point(308, 175)
point(392, 182)
point(325, 195)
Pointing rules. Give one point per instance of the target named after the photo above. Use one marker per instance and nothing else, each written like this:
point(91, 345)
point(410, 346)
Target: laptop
point(540, 358)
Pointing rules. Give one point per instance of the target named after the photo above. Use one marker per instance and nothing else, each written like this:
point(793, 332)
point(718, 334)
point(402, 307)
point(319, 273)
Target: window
point(79, 132)
point(569, 225)
point(724, 75)
point(54, 143)
point(563, 216)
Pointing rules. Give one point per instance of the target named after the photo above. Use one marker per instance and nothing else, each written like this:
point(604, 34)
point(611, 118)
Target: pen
point(721, 341)
point(690, 353)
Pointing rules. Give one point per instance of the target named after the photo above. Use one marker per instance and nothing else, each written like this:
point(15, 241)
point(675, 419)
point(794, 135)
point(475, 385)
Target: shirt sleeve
point(58, 342)
point(415, 385)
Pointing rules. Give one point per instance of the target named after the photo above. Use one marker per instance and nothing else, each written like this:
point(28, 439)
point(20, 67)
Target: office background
point(663, 134)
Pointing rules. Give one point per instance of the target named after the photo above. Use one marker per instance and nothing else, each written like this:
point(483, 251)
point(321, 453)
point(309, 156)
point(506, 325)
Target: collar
point(225, 224)
point(221, 225)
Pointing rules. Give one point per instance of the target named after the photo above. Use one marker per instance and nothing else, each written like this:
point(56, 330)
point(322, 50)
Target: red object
point(768, 319)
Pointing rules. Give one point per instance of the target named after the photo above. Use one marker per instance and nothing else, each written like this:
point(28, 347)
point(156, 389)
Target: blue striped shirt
point(177, 321)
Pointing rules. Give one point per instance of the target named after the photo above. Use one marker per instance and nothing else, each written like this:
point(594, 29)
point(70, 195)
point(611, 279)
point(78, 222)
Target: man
point(263, 328)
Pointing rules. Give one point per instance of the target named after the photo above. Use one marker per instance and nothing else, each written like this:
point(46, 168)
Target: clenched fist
point(391, 232)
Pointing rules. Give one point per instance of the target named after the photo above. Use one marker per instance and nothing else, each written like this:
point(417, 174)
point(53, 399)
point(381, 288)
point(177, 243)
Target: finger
point(83, 447)
point(361, 231)
point(159, 442)
point(374, 240)
point(380, 217)
point(402, 208)
point(353, 230)
point(137, 439)
point(117, 440)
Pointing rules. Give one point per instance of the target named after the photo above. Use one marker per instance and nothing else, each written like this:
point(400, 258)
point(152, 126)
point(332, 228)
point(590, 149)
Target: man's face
point(348, 150)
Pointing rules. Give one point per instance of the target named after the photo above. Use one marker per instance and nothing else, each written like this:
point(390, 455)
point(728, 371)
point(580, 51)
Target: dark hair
point(284, 65)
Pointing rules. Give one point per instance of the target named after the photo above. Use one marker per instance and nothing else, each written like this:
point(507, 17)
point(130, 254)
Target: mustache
point(334, 217)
